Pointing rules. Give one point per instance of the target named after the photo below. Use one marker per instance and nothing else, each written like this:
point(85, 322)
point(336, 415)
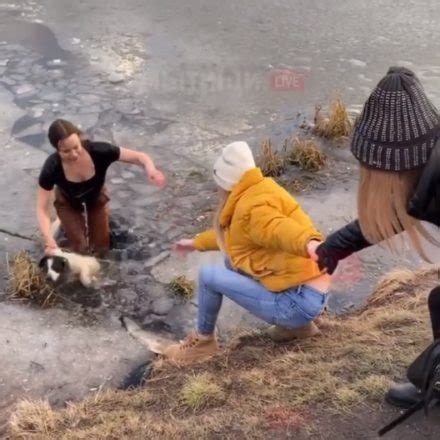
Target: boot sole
point(190, 361)
point(293, 338)
point(398, 403)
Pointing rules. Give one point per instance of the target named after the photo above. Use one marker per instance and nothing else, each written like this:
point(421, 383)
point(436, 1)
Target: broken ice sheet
point(25, 89)
point(56, 63)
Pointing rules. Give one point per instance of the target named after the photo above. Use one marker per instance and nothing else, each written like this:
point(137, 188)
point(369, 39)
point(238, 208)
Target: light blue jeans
point(292, 308)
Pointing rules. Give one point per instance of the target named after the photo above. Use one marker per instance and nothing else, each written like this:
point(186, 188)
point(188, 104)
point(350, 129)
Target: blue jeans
point(291, 308)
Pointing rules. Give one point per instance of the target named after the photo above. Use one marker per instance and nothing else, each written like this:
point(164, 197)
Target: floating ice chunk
point(128, 175)
point(116, 78)
point(362, 77)
point(25, 89)
point(56, 63)
point(357, 63)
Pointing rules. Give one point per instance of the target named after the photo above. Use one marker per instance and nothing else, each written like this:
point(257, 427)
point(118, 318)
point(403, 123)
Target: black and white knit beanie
point(398, 126)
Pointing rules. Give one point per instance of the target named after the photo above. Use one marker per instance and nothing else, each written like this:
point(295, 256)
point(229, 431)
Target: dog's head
point(56, 268)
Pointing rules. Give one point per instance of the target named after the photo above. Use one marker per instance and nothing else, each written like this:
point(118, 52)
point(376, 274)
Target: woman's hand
point(155, 176)
point(185, 246)
point(50, 248)
point(311, 249)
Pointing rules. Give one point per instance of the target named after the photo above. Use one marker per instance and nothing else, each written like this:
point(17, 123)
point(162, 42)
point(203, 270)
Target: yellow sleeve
point(271, 229)
point(206, 241)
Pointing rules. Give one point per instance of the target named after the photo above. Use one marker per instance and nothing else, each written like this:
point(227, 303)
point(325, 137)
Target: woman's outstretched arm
point(145, 161)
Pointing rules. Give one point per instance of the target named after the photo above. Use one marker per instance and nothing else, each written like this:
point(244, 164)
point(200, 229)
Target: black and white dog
point(63, 266)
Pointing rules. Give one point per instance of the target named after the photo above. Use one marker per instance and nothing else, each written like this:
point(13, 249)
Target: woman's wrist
point(148, 164)
point(311, 248)
point(149, 169)
point(50, 242)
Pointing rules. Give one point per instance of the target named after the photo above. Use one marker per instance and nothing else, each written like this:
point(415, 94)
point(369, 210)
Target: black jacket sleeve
point(339, 245)
point(424, 202)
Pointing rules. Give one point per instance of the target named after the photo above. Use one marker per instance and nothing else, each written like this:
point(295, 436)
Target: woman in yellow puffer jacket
point(268, 240)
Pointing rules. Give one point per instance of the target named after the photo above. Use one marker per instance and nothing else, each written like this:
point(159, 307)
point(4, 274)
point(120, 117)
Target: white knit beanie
point(236, 159)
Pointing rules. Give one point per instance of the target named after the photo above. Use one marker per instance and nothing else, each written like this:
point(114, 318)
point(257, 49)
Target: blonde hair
point(383, 198)
point(219, 231)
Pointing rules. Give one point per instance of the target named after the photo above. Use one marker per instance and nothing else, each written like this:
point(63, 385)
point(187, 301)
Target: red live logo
point(286, 80)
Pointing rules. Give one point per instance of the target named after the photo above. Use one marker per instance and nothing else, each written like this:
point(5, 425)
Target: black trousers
point(434, 311)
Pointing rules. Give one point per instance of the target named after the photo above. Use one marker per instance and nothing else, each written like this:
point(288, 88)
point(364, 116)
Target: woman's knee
point(205, 275)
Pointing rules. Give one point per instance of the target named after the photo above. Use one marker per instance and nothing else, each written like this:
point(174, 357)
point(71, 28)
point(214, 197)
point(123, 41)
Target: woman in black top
point(396, 141)
point(75, 175)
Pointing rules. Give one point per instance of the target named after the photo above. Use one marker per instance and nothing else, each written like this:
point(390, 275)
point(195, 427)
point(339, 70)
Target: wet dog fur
point(65, 266)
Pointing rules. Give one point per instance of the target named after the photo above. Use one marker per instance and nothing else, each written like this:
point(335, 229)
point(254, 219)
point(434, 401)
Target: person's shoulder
point(103, 152)
point(52, 162)
point(271, 194)
point(98, 146)
point(268, 187)
point(50, 172)
point(263, 194)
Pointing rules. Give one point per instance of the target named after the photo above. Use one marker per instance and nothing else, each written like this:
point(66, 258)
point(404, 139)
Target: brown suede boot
point(283, 334)
point(192, 349)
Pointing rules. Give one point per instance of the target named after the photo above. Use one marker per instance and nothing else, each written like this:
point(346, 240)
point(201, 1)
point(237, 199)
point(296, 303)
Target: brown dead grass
point(337, 124)
point(27, 283)
point(306, 154)
point(296, 185)
point(270, 161)
point(255, 385)
point(182, 287)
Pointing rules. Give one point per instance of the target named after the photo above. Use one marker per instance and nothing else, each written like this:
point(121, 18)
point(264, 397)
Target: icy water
point(178, 80)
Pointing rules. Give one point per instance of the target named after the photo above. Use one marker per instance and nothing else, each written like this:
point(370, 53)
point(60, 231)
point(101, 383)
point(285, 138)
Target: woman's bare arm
point(44, 199)
point(145, 161)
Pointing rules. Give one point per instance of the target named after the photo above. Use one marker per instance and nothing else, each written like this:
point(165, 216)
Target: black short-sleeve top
point(52, 173)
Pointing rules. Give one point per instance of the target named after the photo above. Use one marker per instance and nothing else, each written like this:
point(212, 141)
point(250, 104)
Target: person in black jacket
point(396, 141)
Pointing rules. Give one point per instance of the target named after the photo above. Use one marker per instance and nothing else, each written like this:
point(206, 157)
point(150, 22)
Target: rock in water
point(116, 78)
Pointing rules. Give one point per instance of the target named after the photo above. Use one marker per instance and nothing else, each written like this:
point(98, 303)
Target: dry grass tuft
point(182, 287)
point(296, 185)
point(270, 160)
point(200, 391)
point(28, 283)
point(106, 415)
point(305, 154)
point(31, 417)
point(401, 284)
point(374, 386)
point(351, 364)
point(337, 124)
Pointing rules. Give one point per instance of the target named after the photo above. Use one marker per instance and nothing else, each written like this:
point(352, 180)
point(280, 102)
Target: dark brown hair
point(60, 130)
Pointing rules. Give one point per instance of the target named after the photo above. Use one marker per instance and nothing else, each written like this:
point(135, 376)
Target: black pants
point(434, 311)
